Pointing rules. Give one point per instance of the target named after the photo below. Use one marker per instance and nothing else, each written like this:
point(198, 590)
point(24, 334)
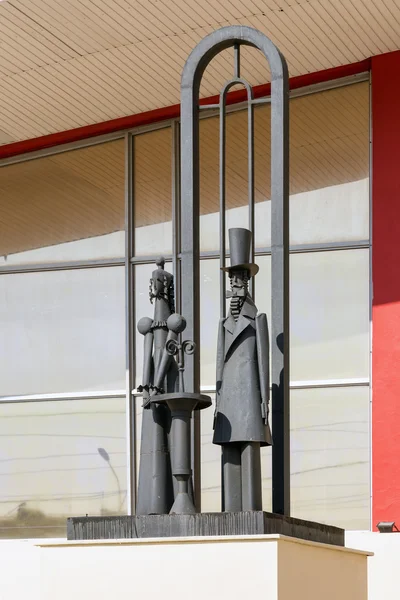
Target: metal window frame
point(130, 260)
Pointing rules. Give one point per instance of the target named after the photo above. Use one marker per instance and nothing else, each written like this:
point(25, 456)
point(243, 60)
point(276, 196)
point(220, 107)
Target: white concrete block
point(232, 568)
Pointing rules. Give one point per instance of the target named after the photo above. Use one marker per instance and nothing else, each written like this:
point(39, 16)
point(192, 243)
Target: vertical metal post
point(222, 225)
point(190, 252)
point(280, 295)
point(250, 182)
point(195, 441)
point(130, 326)
point(176, 212)
point(192, 74)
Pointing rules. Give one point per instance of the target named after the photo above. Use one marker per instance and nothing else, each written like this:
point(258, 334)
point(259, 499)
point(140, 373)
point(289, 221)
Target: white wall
point(20, 566)
point(384, 566)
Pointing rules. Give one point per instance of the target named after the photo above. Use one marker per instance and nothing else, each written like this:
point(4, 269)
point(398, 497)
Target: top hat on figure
point(239, 244)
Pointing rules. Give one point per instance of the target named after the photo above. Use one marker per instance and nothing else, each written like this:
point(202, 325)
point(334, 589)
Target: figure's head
point(160, 262)
point(239, 279)
point(161, 282)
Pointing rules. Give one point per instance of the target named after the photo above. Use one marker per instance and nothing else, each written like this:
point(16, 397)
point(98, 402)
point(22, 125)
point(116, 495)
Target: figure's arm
point(147, 365)
point(220, 364)
point(262, 337)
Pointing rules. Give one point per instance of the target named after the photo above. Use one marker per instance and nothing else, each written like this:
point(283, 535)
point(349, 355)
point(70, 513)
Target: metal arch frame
point(192, 74)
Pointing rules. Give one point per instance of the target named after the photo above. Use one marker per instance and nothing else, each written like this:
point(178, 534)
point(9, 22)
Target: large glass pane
point(329, 311)
point(62, 331)
point(209, 319)
point(329, 306)
point(330, 445)
point(329, 170)
point(152, 180)
point(60, 459)
point(68, 206)
point(329, 458)
point(210, 463)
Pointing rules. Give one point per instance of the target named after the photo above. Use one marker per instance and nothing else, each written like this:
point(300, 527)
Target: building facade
point(86, 210)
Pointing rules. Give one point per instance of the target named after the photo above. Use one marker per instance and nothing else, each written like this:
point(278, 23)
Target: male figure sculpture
point(155, 490)
point(241, 414)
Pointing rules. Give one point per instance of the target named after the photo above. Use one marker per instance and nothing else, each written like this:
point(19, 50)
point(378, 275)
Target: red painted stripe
point(386, 294)
point(170, 112)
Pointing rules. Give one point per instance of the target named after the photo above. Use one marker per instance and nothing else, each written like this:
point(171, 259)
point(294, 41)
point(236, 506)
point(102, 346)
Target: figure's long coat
point(243, 378)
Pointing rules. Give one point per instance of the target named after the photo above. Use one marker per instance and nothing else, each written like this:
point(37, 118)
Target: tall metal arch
point(192, 75)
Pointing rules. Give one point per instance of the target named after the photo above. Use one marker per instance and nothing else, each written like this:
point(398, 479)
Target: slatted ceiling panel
point(69, 64)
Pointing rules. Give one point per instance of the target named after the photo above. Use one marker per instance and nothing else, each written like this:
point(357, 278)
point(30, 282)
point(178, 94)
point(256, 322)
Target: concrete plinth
point(203, 524)
point(269, 567)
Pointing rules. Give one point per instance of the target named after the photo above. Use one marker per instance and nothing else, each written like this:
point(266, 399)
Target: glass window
point(329, 170)
point(210, 463)
point(329, 308)
point(330, 446)
point(62, 331)
point(153, 192)
point(209, 319)
point(329, 458)
point(67, 206)
point(329, 312)
point(60, 459)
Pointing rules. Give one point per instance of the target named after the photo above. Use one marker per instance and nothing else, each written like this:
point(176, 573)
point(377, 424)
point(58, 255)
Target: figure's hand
point(146, 402)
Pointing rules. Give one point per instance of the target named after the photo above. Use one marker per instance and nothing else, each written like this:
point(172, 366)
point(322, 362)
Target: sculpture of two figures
point(241, 412)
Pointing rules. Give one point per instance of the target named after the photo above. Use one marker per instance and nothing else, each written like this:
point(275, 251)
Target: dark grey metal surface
point(162, 526)
point(130, 325)
point(192, 74)
point(182, 405)
point(242, 398)
point(156, 485)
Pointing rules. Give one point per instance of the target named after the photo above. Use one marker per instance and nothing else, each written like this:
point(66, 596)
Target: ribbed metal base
point(204, 524)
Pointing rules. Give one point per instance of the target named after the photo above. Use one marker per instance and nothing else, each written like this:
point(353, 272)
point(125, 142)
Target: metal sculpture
point(237, 36)
point(155, 489)
point(181, 405)
point(165, 484)
point(241, 414)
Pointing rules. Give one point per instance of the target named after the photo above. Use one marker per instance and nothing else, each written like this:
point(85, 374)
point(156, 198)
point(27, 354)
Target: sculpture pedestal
point(266, 567)
point(201, 524)
point(181, 405)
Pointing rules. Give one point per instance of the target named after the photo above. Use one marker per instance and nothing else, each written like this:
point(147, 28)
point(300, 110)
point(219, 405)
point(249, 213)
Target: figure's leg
point(231, 478)
point(251, 477)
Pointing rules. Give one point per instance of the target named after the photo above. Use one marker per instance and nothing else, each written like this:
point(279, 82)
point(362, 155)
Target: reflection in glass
point(152, 179)
point(329, 170)
point(329, 458)
point(62, 331)
point(329, 311)
point(329, 308)
point(209, 319)
point(330, 447)
point(67, 206)
point(60, 459)
point(210, 463)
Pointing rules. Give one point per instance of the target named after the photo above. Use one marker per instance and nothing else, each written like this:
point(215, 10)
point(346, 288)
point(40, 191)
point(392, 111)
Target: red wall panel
point(386, 288)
